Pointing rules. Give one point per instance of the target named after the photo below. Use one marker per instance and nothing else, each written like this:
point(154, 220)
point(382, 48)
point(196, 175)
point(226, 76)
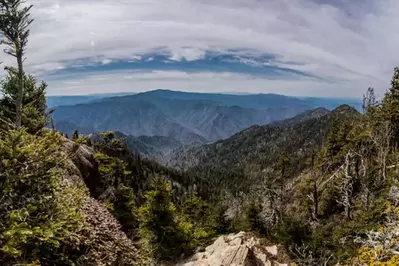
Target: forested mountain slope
point(156, 148)
point(257, 147)
point(185, 120)
point(323, 176)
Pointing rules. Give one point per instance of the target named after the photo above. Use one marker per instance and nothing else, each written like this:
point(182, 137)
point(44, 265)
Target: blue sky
point(293, 47)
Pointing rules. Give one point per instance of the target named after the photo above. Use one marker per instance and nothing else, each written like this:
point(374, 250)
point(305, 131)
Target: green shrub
point(254, 219)
point(290, 231)
point(125, 210)
point(164, 234)
point(39, 207)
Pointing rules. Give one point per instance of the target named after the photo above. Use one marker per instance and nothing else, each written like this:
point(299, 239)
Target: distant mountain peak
point(320, 111)
point(345, 109)
point(306, 115)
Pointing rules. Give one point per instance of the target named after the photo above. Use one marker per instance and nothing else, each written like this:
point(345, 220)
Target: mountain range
point(182, 116)
point(53, 101)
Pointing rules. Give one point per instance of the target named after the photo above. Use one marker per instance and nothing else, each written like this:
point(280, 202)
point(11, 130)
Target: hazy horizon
point(125, 93)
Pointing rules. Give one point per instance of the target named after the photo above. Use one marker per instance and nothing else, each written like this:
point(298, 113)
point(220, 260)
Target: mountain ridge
point(245, 146)
point(185, 120)
point(186, 117)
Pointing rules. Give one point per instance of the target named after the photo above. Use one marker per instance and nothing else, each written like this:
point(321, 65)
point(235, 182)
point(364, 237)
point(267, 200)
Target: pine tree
point(254, 219)
point(159, 225)
point(336, 143)
point(14, 23)
point(75, 135)
point(390, 107)
point(39, 209)
point(35, 115)
point(333, 146)
point(125, 210)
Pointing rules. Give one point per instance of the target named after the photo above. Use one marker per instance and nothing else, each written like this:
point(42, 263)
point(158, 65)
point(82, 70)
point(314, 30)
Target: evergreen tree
point(34, 115)
point(125, 211)
point(89, 142)
point(14, 23)
point(390, 107)
point(254, 219)
point(336, 143)
point(75, 135)
point(159, 223)
point(333, 146)
point(222, 221)
point(39, 209)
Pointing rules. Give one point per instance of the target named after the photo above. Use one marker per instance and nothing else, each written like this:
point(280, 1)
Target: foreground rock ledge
point(236, 250)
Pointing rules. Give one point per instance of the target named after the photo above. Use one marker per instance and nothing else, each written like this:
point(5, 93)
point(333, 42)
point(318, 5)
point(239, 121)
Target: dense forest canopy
point(323, 185)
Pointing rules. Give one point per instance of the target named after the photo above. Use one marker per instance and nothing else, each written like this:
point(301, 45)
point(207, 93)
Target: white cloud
point(106, 61)
point(352, 45)
point(188, 54)
point(134, 58)
point(46, 67)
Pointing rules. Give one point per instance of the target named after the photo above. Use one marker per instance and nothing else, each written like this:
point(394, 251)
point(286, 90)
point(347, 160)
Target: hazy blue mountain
point(130, 117)
point(185, 117)
point(257, 101)
point(68, 127)
point(184, 120)
point(53, 101)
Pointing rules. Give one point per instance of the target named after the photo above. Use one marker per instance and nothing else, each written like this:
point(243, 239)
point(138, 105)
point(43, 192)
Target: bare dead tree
point(381, 137)
point(363, 157)
point(315, 195)
point(270, 192)
point(305, 256)
point(345, 186)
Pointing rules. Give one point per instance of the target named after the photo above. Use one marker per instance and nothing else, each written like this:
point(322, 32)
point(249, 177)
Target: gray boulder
point(239, 249)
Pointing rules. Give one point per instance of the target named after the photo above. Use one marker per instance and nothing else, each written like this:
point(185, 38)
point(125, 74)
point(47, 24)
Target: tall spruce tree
point(34, 115)
point(75, 135)
point(14, 22)
point(390, 107)
point(159, 226)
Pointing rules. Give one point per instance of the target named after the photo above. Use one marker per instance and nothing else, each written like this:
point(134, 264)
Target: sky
point(327, 48)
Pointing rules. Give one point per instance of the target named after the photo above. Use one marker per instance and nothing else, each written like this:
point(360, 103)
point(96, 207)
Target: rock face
point(101, 241)
point(236, 250)
point(104, 241)
point(83, 166)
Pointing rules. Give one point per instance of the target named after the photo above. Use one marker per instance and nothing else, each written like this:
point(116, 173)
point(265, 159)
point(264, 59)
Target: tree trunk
point(315, 192)
point(18, 102)
point(315, 199)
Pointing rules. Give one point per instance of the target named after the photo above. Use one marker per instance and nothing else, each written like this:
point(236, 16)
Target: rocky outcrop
point(104, 242)
point(82, 165)
point(239, 249)
point(101, 240)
